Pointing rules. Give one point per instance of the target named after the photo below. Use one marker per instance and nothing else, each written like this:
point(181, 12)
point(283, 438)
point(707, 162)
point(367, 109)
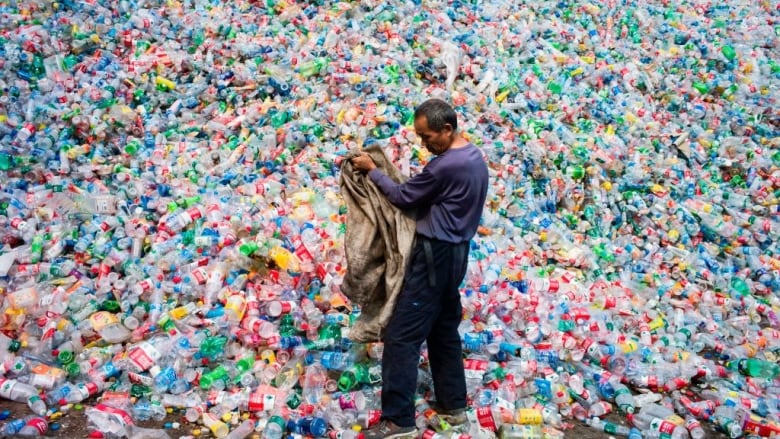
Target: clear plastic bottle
point(729, 419)
point(652, 426)
point(36, 426)
point(274, 428)
point(14, 426)
point(243, 430)
point(608, 427)
point(694, 428)
point(16, 391)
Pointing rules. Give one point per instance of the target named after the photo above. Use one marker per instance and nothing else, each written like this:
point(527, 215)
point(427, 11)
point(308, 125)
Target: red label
point(194, 213)
point(92, 388)
point(141, 359)
point(763, 429)
point(121, 413)
point(587, 343)
point(200, 275)
point(475, 368)
point(303, 254)
point(666, 427)
point(137, 378)
point(28, 268)
point(652, 381)
point(39, 424)
point(485, 418)
point(373, 417)
point(473, 364)
point(255, 402)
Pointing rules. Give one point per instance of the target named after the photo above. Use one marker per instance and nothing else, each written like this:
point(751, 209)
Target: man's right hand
point(363, 163)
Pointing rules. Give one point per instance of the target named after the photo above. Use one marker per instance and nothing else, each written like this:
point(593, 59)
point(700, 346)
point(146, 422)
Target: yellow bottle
point(284, 259)
point(529, 416)
point(217, 427)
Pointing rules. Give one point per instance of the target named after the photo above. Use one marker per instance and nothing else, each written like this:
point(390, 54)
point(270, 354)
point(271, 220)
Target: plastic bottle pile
point(173, 233)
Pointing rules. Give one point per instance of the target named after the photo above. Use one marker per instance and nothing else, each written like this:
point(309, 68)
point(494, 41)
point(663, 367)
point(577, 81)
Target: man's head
point(437, 125)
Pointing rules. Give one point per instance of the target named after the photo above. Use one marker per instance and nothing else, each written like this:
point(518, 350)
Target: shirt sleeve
point(416, 191)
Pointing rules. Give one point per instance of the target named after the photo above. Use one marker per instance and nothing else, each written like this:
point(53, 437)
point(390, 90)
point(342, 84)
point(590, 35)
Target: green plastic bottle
point(352, 377)
point(207, 380)
point(313, 67)
point(755, 367)
point(728, 52)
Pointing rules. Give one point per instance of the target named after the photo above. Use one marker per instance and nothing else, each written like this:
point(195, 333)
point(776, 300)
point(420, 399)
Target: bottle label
point(529, 416)
point(692, 424)
point(675, 419)
point(261, 401)
point(140, 358)
point(121, 414)
point(610, 428)
point(200, 275)
point(91, 388)
point(237, 304)
point(109, 370)
point(373, 417)
point(137, 378)
point(475, 368)
point(38, 424)
point(348, 401)
point(102, 319)
point(664, 427)
point(761, 428)
point(485, 418)
point(6, 386)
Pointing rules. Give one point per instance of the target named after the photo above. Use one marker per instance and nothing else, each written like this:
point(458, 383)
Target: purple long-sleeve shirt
point(449, 194)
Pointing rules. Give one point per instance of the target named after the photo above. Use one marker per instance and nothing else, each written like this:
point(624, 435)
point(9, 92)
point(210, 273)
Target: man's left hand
point(363, 163)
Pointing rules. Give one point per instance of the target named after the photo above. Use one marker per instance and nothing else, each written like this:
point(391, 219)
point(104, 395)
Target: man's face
point(434, 141)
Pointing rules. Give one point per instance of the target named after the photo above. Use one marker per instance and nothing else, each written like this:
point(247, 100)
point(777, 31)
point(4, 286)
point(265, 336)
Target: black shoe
point(388, 430)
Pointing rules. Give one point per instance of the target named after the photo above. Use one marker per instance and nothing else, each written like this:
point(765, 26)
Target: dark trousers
point(428, 309)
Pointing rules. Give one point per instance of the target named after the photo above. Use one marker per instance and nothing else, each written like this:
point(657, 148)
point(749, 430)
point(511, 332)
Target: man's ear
point(447, 129)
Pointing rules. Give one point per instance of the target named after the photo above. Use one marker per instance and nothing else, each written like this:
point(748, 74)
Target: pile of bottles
point(172, 245)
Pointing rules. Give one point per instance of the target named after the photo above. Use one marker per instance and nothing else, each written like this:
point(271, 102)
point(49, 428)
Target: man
point(449, 195)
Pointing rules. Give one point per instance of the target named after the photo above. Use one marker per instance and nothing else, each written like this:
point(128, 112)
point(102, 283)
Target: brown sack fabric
point(378, 244)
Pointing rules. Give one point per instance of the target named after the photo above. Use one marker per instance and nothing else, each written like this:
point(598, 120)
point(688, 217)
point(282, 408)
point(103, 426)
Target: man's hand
point(363, 163)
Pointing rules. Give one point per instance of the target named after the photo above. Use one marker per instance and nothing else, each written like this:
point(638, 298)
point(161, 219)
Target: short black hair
point(438, 113)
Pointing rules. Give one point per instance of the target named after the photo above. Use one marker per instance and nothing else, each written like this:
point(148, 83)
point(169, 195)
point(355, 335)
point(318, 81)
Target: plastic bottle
point(274, 428)
point(608, 427)
point(20, 392)
point(694, 428)
point(755, 367)
point(14, 426)
point(729, 420)
point(36, 426)
point(651, 425)
point(243, 430)
point(215, 425)
point(313, 426)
